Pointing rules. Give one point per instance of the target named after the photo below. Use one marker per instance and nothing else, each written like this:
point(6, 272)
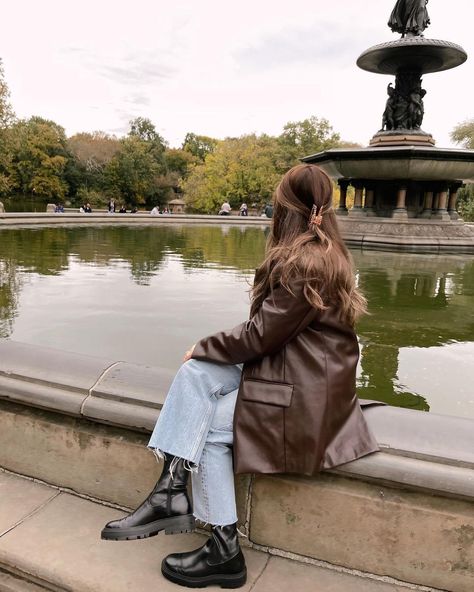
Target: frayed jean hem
point(161, 456)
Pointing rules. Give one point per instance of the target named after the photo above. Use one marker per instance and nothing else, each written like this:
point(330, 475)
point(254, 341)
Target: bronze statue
point(409, 17)
point(416, 108)
point(404, 108)
point(388, 121)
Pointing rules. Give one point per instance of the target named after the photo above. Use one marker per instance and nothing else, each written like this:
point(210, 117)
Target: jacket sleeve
point(281, 317)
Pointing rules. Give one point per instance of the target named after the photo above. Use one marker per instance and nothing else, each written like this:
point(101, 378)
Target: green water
point(144, 295)
point(24, 203)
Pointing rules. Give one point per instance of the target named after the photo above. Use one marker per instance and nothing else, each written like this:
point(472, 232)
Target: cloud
point(141, 68)
point(72, 50)
point(135, 71)
point(302, 45)
point(140, 99)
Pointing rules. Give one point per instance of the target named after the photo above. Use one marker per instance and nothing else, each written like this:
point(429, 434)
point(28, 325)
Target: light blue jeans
point(195, 423)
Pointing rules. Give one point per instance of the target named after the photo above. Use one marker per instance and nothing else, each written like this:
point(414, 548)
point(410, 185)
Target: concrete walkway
point(50, 540)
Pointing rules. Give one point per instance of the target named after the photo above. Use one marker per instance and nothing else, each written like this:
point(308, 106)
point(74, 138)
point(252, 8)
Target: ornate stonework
point(412, 235)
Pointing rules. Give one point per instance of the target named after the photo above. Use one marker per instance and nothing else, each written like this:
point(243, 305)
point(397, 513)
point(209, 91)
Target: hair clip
point(315, 218)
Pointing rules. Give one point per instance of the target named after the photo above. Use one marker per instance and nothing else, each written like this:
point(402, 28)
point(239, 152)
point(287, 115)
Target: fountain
point(405, 187)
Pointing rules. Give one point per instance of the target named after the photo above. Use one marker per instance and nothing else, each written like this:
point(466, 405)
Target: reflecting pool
point(145, 294)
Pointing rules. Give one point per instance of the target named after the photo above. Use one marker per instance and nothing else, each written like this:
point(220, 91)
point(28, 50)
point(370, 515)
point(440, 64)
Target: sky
point(220, 68)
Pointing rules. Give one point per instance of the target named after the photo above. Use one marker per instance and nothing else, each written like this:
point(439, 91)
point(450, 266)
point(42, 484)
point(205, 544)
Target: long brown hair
point(312, 253)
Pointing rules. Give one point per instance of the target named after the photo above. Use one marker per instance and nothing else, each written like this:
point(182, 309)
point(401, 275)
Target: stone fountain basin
point(415, 163)
point(412, 53)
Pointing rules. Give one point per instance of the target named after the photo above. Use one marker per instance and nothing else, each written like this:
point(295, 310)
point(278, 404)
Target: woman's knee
point(198, 366)
point(194, 368)
point(214, 376)
point(191, 365)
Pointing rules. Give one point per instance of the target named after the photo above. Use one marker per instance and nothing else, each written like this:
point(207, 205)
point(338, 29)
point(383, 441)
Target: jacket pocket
point(270, 393)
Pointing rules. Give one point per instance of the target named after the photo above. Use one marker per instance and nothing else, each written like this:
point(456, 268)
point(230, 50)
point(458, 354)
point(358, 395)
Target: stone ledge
point(40, 395)
point(413, 536)
point(121, 414)
point(50, 367)
point(41, 550)
point(410, 536)
point(421, 435)
point(412, 473)
point(420, 450)
point(47, 218)
point(373, 232)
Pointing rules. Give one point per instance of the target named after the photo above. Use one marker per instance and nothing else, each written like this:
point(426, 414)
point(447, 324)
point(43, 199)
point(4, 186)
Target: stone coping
point(393, 152)
point(418, 450)
point(20, 218)
point(76, 218)
point(416, 235)
point(37, 552)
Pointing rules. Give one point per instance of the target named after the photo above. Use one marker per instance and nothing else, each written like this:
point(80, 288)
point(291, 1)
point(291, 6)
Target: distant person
point(123, 209)
point(275, 394)
point(166, 211)
point(134, 210)
point(82, 209)
point(111, 206)
point(243, 211)
point(155, 211)
point(59, 209)
point(268, 211)
point(87, 208)
point(225, 209)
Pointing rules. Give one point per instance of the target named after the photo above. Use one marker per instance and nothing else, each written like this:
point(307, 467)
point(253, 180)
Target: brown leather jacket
point(297, 410)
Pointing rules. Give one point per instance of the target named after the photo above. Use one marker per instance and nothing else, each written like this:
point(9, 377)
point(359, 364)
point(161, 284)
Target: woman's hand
point(189, 353)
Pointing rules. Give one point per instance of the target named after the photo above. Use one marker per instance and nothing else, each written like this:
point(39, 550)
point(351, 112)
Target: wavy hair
point(307, 249)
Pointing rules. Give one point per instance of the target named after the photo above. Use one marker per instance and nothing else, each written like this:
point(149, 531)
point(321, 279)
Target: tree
point(179, 164)
point(302, 138)
point(180, 161)
point(93, 150)
point(239, 170)
point(134, 172)
point(39, 157)
point(6, 111)
point(6, 118)
point(138, 172)
point(463, 133)
point(199, 146)
point(143, 129)
point(5, 161)
point(89, 155)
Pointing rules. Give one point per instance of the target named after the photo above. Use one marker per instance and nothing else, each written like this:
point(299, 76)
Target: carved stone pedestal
point(356, 212)
point(441, 215)
point(400, 214)
point(402, 138)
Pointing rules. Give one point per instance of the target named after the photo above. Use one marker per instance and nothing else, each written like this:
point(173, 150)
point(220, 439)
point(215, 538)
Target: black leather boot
point(167, 508)
point(220, 562)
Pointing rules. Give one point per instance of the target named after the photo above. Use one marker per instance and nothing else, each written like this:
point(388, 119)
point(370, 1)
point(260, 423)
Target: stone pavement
point(50, 540)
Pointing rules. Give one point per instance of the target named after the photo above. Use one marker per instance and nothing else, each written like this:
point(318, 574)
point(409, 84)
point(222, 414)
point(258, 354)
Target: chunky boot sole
point(223, 580)
point(172, 525)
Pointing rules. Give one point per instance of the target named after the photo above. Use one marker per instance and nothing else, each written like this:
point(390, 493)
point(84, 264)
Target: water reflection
point(10, 286)
point(416, 301)
point(48, 250)
point(144, 294)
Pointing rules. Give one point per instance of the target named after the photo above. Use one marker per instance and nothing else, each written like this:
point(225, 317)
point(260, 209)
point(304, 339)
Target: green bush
point(465, 205)
point(95, 198)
